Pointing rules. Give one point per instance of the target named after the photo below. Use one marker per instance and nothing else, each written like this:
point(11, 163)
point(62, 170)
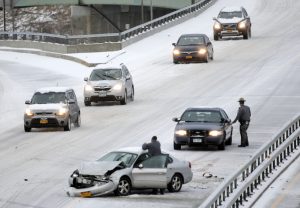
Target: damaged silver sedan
point(126, 169)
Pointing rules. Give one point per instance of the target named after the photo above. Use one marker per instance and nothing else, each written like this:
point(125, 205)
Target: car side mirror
point(176, 119)
point(86, 79)
point(173, 44)
point(128, 77)
point(214, 18)
point(27, 102)
point(141, 166)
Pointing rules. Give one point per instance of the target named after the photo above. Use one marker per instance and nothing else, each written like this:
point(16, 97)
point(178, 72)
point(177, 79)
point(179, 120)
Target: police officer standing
point(243, 116)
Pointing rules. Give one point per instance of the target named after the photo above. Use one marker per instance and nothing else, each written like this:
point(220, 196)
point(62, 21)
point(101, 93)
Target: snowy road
point(34, 166)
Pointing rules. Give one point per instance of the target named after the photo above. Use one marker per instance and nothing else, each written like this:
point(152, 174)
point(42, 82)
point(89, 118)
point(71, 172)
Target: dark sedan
point(203, 126)
point(193, 48)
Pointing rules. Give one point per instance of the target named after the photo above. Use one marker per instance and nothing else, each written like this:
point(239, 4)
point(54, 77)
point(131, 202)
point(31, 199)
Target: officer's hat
point(241, 100)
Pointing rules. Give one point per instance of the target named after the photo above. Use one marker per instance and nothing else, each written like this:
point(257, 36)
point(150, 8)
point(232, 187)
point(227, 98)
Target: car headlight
point(176, 52)
point(28, 112)
point(215, 133)
point(62, 111)
point(217, 26)
point(88, 88)
point(181, 132)
point(202, 51)
point(242, 25)
point(117, 87)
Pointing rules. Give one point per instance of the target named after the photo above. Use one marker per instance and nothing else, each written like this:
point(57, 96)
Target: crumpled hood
point(104, 83)
point(47, 107)
point(233, 20)
point(97, 167)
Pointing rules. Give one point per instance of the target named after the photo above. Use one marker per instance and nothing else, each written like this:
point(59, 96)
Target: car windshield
point(230, 15)
point(48, 97)
point(106, 74)
point(201, 116)
point(190, 40)
point(126, 157)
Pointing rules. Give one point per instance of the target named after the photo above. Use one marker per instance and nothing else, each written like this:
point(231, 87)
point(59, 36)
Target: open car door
point(151, 173)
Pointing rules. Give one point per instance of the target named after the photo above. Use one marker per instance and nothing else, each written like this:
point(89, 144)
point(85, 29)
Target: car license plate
point(86, 194)
point(43, 121)
point(229, 30)
point(189, 57)
point(102, 94)
point(197, 140)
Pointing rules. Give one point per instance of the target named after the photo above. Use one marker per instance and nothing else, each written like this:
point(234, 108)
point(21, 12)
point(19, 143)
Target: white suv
point(109, 83)
point(52, 107)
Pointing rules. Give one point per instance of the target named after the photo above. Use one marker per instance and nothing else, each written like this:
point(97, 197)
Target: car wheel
point(175, 184)
point(124, 187)
point(206, 58)
point(246, 35)
point(175, 62)
point(250, 34)
point(212, 55)
point(87, 103)
point(177, 146)
point(124, 100)
point(78, 121)
point(68, 126)
point(132, 93)
point(222, 145)
point(216, 37)
point(229, 141)
point(27, 129)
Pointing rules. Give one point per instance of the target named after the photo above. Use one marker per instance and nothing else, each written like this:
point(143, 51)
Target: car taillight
point(190, 165)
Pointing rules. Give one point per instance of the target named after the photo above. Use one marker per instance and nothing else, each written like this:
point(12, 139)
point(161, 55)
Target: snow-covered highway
point(35, 166)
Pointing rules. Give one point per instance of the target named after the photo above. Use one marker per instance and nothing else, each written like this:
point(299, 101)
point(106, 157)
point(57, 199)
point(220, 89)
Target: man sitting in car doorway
point(154, 149)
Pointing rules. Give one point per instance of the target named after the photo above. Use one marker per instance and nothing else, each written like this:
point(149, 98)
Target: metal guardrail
point(234, 191)
point(107, 37)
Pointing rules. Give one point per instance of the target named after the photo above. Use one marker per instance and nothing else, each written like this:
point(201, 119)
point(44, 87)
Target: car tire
point(246, 34)
point(132, 93)
point(216, 37)
point(78, 120)
point(175, 183)
point(206, 58)
point(177, 146)
point(212, 55)
point(175, 62)
point(229, 141)
point(68, 126)
point(87, 103)
point(222, 145)
point(124, 187)
point(27, 129)
point(124, 99)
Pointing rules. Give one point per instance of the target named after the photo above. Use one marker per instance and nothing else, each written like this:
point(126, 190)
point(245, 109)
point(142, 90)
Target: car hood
point(199, 126)
point(233, 20)
point(104, 83)
point(190, 47)
point(47, 107)
point(98, 167)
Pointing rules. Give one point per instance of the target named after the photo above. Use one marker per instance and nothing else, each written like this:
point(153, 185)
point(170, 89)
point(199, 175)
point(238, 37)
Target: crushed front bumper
point(95, 190)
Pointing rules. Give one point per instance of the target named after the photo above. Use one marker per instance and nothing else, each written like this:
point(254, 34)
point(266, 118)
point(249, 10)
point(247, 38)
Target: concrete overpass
point(169, 4)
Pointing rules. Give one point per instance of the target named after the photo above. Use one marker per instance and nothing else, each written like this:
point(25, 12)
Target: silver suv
point(52, 107)
point(109, 83)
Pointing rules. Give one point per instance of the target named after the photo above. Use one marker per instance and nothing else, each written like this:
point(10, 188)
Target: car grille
point(198, 133)
point(52, 122)
point(97, 88)
point(229, 26)
point(189, 52)
point(44, 113)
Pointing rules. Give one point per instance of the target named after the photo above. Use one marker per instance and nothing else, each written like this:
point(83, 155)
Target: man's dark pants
point(243, 130)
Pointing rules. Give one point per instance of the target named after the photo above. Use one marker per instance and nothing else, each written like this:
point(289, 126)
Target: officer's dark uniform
point(243, 116)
